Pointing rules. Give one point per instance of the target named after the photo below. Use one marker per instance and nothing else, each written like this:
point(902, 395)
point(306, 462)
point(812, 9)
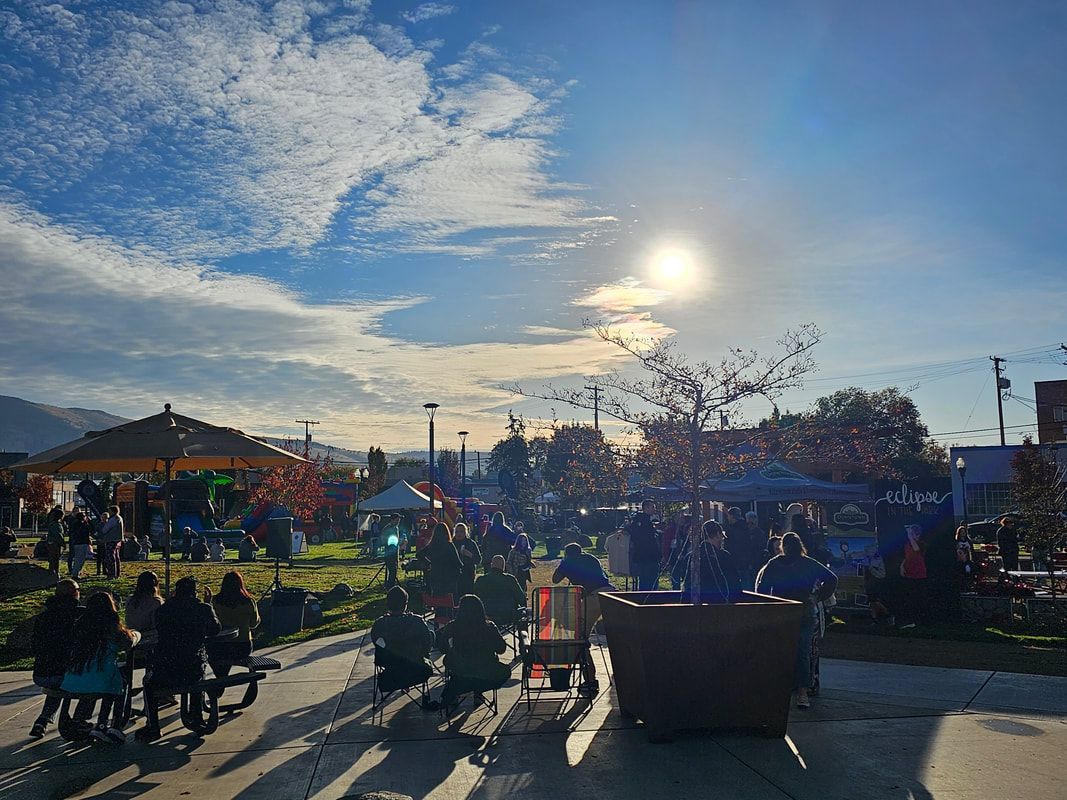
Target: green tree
point(1040, 487)
point(879, 432)
point(377, 468)
point(447, 471)
point(512, 454)
point(581, 465)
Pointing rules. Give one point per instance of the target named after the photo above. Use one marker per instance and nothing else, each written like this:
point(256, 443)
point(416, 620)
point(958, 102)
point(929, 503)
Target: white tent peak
point(400, 496)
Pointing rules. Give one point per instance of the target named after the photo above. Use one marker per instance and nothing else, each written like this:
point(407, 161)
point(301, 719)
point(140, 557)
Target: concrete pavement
point(877, 731)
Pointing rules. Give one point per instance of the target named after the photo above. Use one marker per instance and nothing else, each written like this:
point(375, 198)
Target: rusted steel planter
point(683, 667)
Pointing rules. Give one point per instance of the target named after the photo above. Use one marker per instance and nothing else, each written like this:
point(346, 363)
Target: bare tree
point(677, 405)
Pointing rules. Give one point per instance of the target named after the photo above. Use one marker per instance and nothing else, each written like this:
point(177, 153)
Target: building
point(988, 479)
point(10, 503)
point(1051, 399)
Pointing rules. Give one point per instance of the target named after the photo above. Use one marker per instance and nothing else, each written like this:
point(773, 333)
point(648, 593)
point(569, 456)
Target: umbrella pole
point(166, 530)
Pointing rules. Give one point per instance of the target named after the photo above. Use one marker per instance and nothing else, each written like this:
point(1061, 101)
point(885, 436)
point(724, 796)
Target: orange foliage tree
point(297, 487)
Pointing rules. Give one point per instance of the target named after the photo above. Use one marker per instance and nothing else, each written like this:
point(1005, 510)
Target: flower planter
point(683, 667)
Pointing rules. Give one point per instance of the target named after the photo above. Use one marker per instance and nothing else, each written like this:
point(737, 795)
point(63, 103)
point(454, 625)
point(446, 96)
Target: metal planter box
point(680, 667)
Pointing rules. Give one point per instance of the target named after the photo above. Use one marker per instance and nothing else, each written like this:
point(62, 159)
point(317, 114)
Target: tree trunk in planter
point(679, 666)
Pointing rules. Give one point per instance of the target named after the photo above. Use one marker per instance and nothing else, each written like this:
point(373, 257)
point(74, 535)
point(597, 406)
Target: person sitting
point(130, 550)
point(143, 604)
point(218, 551)
point(53, 640)
point(235, 608)
point(247, 549)
point(8, 542)
point(719, 581)
point(471, 644)
point(145, 546)
point(188, 537)
point(99, 637)
point(183, 626)
point(402, 644)
point(500, 593)
point(199, 552)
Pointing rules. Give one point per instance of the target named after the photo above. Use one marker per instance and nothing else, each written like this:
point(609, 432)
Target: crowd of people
point(77, 648)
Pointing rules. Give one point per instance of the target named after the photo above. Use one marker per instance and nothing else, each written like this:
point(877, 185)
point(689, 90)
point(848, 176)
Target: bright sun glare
point(672, 265)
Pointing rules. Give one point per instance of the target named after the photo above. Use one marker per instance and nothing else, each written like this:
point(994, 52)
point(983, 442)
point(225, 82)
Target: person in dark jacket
point(1008, 544)
point(585, 570)
point(719, 581)
point(402, 644)
point(200, 552)
point(504, 600)
point(444, 564)
point(8, 542)
point(53, 639)
point(56, 539)
point(794, 576)
point(471, 644)
point(81, 537)
point(498, 540)
point(183, 626)
point(644, 548)
point(471, 556)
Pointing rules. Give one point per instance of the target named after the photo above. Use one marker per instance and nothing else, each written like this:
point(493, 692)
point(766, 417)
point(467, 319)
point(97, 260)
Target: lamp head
point(431, 408)
point(463, 436)
point(961, 465)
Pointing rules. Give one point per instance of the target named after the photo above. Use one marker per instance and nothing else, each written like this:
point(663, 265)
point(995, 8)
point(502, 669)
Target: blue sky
point(260, 212)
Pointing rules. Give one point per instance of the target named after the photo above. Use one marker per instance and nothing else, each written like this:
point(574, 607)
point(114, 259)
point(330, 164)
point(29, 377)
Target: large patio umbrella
point(159, 443)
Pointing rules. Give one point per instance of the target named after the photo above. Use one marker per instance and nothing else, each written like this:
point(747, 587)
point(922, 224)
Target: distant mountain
point(33, 427)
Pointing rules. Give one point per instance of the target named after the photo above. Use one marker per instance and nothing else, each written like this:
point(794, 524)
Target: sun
point(672, 265)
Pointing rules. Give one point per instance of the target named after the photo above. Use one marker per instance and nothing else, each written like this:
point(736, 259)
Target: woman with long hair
point(471, 644)
point(236, 608)
point(143, 603)
point(99, 637)
point(520, 560)
point(499, 538)
point(794, 576)
point(444, 563)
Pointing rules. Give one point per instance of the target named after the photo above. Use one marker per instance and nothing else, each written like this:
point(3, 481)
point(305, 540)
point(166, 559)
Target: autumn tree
point(675, 403)
point(377, 468)
point(582, 467)
point(37, 496)
point(1039, 484)
point(296, 487)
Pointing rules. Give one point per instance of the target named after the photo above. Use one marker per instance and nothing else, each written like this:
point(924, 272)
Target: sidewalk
point(877, 731)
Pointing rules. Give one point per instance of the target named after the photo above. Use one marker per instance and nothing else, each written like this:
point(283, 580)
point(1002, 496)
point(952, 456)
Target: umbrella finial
point(166, 407)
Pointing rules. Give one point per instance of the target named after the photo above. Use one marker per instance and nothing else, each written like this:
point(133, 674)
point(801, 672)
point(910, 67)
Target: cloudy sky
point(342, 210)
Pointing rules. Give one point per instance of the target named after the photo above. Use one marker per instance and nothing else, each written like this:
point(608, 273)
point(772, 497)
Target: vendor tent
point(772, 482)
point(398, 497)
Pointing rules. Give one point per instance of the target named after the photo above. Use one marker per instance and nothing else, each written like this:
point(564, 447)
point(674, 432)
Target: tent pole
point(167, 463)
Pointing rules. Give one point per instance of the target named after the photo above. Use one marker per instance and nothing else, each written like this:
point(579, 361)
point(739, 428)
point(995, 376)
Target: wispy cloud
point(137, 329)
point(427, 11)
point(623, 304)
point(247, 127)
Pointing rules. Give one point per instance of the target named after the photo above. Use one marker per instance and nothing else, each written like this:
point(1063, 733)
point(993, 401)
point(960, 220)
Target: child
point(218, 551)
point(145, 546)
point(99, 636)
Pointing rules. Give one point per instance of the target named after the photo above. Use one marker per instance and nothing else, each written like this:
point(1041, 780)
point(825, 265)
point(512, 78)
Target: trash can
point(287, 611)
point(552, 544)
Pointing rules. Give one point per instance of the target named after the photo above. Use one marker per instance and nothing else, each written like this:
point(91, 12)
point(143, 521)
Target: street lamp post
point(431, 409)
point(961, 467)
point(463, 473)
point(360, 475)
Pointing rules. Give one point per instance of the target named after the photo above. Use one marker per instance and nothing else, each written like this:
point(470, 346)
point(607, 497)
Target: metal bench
point(73, 730)
point(254, 664)
point(208, 692)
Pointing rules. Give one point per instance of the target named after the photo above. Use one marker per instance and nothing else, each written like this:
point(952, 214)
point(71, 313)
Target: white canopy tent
point(400, 496)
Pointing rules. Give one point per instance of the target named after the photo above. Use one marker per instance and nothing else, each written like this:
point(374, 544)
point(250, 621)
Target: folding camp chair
point(558, 651)
point(510, 620)
point(380, 696)
point(441, 608)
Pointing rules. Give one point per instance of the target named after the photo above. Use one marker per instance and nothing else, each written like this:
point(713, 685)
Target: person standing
point(913, 573)
point(520, 560)
point(585, 570)
point(444, 563)
point(795, 576)
point(55, 540)
point(471, 556)
point(8, 541)
point(187, 543)
point(739, 543)
point(644, 548)
point(81, 533)
point(499, 538)
point(965, 558)
point(111, 536)
point(719, 581)
point(1008, 543)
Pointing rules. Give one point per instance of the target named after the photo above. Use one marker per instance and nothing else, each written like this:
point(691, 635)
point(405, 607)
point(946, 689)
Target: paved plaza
point(877, 731)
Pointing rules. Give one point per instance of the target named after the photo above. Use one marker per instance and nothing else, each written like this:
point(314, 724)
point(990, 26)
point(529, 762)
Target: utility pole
point(307, 423)
point(596, 405)
point(997, 360)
